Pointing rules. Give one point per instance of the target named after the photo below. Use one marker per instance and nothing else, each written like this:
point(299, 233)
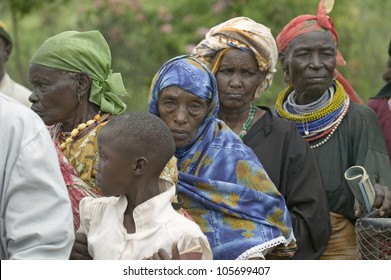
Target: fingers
point(379, 195)
point(163, 254)
point(382, 200)
point(175, 251)
point(357, 209)
point(80, 238)
point(80, 256)
point(80, 248)
point(385, 209)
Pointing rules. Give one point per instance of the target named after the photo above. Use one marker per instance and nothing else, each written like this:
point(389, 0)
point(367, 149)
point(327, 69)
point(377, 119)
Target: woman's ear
point(281, 59)
point(84, 82)
point(284, 66)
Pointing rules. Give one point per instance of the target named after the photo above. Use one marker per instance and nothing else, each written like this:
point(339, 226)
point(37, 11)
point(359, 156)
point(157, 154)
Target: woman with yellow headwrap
point(242, 54)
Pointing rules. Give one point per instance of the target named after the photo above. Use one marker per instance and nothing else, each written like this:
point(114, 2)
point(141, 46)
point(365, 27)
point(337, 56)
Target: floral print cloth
point(225, 188)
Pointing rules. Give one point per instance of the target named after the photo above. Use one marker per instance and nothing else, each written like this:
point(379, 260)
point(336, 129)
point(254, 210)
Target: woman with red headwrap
point(325, 109)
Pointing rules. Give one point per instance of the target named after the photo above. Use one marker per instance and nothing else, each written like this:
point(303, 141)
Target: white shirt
point(35, 210)
point(158, 225)
point(14, 90)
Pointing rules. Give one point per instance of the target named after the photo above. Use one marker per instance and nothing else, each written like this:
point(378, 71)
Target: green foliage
point(144, 34)
point(24, 7)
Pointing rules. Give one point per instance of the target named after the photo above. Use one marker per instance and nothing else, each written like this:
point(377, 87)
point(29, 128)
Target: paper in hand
point(361, 187)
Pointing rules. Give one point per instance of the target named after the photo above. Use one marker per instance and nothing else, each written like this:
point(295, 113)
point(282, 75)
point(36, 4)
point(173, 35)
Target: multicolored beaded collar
point(318, 123)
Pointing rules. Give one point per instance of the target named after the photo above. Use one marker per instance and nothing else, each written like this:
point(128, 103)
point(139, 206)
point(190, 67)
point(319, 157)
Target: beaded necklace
point(81, 127)
point(249, 121)
point(338, 99)
point(338, 122)
point(321, 119)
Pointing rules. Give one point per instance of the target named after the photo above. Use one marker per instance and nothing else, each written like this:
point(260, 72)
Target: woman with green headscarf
point(75, 92)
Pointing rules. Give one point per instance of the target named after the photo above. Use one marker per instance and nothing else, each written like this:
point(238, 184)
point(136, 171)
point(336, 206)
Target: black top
point(358, 140)
point(292, 166)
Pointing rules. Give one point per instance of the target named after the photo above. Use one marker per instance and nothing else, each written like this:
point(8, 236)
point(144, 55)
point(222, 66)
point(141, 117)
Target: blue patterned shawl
point(223, 185)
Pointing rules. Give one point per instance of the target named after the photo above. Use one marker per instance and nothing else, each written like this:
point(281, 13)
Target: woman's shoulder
point(279, 129)
point(276, 123)
point(362, 112)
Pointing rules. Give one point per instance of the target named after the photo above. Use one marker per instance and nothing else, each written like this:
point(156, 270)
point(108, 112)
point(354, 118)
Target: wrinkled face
point(310, 60)
point(54, 94)
point(111, 177)
point(237, 79)
point(183, 112)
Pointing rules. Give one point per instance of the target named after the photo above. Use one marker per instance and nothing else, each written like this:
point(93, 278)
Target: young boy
point(135, 218)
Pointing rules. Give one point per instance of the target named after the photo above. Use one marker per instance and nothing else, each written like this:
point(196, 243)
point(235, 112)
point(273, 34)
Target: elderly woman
point(75, 92)
point(224, 187)
point(341, 133)
point(242, 54)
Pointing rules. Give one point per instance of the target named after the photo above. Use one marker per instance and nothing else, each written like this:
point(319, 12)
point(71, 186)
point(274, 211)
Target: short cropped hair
point(142, 134)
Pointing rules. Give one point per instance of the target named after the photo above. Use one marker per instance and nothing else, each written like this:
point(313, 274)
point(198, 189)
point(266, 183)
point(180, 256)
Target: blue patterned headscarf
point(224, 186)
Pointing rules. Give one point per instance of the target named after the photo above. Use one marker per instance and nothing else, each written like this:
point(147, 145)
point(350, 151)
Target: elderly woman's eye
point(300, 54)
point(328, 53)
point(225, 71)
point(195, 106)
point(248, 73)
point(39, 86)
point(169, 104)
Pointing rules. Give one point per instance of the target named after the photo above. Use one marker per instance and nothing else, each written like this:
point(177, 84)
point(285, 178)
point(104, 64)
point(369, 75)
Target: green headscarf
point(88, 51)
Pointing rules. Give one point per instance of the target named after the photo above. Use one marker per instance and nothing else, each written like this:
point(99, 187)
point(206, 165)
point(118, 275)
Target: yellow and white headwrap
point(245, 34)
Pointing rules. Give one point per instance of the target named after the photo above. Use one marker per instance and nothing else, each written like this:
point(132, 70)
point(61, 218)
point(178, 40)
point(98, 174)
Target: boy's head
point(132, 146)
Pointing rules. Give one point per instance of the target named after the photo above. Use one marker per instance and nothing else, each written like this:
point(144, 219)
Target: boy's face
point(113, 168)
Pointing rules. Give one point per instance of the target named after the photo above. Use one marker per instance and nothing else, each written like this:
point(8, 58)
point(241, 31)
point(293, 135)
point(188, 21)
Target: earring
point(286, 77)
point(334, 76)
point(79, 98)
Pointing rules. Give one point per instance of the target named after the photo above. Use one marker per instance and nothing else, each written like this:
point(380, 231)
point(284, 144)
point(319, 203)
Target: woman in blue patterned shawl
point(223, 185)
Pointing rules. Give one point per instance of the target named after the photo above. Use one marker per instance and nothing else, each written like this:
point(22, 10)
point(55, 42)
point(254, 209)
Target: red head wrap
point(310, 23)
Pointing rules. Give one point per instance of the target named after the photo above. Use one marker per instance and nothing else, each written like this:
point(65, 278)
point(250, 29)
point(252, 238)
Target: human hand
point(382, 202)
point(162, 254)
point(80, 248)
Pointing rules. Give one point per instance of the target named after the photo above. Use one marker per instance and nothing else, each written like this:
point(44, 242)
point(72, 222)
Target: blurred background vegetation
point(143, 34)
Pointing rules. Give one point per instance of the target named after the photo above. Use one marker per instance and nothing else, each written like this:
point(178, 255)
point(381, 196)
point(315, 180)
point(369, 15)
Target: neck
point(307, 98)
point(310, 94)
point(82, 114)
point(141, 191)
point(234, 118)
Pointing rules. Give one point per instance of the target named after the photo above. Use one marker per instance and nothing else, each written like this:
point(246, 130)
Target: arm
point(293, 167)
point(80, 248)
point(372, 154)
point(162, 254)
point(382, 202)
point(307, 202)
point(42, 227)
